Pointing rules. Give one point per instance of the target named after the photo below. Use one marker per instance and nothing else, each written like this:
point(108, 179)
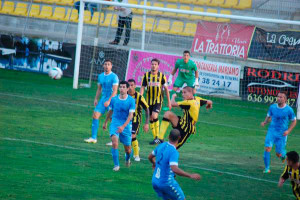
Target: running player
point(186, 123)
point(155, 81)
point(279, 114)
point(165, 163)
point(121, 111)
point(292, 171)
point(108, 88)
point(140, 103)
point(187, 73)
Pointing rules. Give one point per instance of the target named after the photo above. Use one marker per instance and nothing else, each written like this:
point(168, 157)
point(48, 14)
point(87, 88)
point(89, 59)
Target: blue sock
point(283, 154)
point(95, 126)
point(115, 155)
point(127, 156)
point(267, 158)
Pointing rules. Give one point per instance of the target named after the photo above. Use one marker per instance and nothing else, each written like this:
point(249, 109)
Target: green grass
point(42, 154)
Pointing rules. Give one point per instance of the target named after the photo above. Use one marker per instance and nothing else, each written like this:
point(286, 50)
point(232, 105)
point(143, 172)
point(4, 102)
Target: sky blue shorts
point(169, 191)
point(276, 139)
point(100, 106)
point(125, 136)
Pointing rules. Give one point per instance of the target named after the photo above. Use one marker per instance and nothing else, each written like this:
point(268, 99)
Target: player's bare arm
point(180, 172)
point(281, 182)
point(129, 118)
point(115, 91)
point(266, 121)
point(98, 92)
point(168, 96)
point(151, 158)
point(292, 126)
point(146, 125)
point(173, 102)
point(142, 90)
point(108, 118)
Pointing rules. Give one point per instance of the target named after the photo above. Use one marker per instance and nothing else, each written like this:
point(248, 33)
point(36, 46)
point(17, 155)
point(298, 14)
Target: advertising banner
point(31, 54)
point(222, 39)
point(214, 78)
point(263, 85)
point(279, 47)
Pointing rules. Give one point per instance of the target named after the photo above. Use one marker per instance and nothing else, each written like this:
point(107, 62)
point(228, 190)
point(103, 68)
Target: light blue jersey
point(107, 81)
point(280, 118)
point(121, 109)
point(163, 180)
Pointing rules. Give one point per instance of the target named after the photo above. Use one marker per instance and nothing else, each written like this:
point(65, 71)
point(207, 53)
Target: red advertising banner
point(222, 39)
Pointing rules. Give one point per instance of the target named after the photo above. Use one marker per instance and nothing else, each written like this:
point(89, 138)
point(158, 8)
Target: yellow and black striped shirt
point(140, 103)
point(190, 113)
point(154, 84)
point(294, 176)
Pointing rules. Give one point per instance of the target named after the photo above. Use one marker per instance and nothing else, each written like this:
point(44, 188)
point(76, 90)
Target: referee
point(125, 19)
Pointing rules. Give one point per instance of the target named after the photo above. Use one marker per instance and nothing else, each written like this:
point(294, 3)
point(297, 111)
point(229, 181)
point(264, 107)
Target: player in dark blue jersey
point(108, 88)
point(280, 115)
point(121, 111)
point(165, 163)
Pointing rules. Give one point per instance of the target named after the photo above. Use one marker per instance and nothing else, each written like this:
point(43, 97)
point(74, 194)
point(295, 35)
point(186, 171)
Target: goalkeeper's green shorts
point(180, 81)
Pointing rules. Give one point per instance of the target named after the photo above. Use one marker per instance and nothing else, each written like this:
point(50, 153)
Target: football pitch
point(42, 154)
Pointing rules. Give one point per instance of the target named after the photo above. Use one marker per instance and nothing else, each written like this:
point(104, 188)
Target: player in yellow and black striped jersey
point(155, 82)
point(292, 172)
point(140, 104)
point(185, 124)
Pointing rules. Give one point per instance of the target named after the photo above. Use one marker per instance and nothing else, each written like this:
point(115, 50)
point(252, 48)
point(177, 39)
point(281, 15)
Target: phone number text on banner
point(263, 85)
point(218, 78)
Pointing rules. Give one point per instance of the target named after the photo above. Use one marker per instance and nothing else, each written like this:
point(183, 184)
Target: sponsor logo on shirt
point(184, 70)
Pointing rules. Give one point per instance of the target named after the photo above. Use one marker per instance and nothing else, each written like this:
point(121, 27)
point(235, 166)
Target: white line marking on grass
point(87, 106)
point(101, 152)
point(46, 100)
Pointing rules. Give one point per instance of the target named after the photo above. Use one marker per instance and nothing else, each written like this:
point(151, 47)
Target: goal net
point(240, 61)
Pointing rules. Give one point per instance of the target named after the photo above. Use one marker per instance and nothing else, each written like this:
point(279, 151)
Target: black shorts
point(155, 108)
point(135, 128)
point(184, 135)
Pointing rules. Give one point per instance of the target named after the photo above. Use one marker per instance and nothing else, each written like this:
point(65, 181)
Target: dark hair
point(108, 60)
point(293, 156)
point(155, 60)
point(124, 83)
point(131, 81)
point(186, 51)
point(174, 135)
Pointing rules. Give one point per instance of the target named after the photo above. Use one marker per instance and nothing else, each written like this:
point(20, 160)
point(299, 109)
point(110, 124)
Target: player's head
point(187, 93)
point(174, 136)
point(132, 85)
point(107, 65)
point(154, 64)
point(186, 56)
point(281, 98)
point(123, 87)
point(292, 158)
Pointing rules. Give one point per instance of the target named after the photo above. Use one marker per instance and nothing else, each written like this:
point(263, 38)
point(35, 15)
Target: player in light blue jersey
point(121, 111)
point(108, 88)
point(280, 115)
point(166, 166)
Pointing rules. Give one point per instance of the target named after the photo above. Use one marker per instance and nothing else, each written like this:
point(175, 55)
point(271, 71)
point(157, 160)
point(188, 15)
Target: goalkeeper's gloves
point(196, 84)
point(170, 79)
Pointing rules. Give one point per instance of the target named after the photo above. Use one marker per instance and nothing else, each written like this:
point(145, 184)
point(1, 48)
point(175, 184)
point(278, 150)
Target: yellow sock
point(152, 129)
point(163, 128)
point(156, 127)
point(135, 146)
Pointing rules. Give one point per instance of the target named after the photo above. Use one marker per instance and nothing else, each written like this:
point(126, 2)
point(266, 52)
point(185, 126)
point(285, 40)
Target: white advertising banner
point(217, 78)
